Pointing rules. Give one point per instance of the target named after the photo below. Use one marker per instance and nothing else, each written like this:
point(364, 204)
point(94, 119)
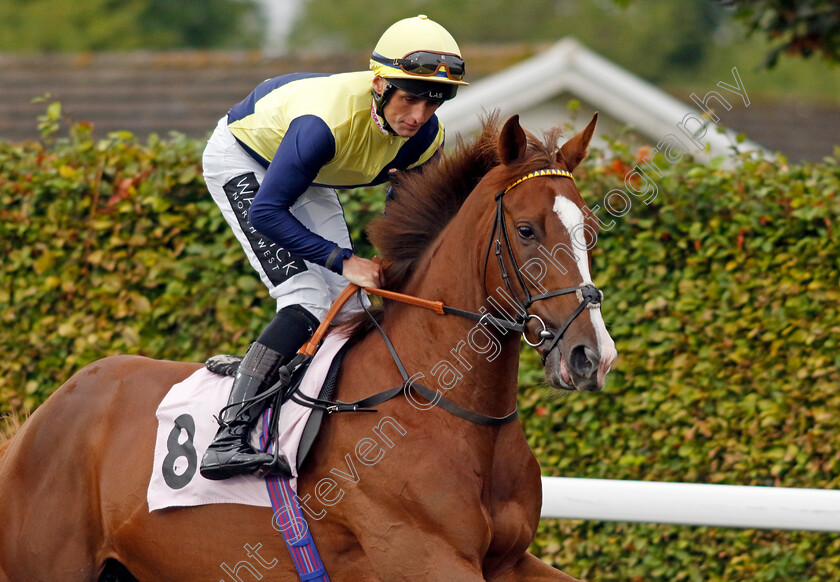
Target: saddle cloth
point(186, 428)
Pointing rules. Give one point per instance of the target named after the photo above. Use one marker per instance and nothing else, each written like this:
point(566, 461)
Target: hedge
point(721, 295)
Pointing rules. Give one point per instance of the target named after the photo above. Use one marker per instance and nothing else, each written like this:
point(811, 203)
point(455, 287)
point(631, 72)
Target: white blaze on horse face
point(571, 216)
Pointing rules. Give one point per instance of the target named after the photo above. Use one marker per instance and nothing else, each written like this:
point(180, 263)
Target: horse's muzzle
point(575, 369)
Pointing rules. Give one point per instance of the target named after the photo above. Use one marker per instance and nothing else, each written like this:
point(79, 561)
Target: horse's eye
point(525, 231)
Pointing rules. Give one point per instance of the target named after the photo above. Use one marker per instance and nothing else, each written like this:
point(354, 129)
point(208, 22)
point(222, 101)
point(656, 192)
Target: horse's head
point(543, 241)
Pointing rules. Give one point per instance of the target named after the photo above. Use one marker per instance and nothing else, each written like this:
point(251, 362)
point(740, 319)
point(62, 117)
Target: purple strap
point(289, 519)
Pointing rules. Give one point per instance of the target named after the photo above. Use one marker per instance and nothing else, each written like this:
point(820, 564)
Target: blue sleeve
point(307, 146)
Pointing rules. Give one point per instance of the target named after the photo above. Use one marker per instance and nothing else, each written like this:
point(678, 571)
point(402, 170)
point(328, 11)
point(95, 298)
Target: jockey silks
point(319, 130)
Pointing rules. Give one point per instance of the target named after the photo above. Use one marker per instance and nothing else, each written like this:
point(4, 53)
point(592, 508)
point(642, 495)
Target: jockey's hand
point(362, 272)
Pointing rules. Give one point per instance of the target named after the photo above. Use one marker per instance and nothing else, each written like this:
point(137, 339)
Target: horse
point(496, 229)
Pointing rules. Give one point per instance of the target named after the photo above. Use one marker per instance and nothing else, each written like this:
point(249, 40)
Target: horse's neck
point(474, 364)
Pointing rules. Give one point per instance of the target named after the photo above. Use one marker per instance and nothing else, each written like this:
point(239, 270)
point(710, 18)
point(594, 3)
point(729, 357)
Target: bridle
point(588, 295)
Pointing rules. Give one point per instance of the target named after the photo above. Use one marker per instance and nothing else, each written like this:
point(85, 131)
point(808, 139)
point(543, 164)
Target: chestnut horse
point(416, 492)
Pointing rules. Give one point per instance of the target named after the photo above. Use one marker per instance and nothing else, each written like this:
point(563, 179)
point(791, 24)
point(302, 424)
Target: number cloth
point(186, 427)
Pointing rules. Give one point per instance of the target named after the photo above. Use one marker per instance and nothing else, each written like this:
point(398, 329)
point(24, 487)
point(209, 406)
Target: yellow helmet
point(419, 56)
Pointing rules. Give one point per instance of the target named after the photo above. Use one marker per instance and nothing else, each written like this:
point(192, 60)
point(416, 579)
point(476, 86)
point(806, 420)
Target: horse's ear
point(512, 141)
point(574, 151)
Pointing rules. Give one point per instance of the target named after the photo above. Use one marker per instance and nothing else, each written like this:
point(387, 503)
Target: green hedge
point(721, 295)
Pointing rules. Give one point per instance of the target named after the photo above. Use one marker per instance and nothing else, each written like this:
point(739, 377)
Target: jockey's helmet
point(418, 56)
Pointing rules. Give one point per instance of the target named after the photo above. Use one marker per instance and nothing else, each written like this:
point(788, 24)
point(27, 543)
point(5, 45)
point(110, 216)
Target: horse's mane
point(427, 198)
point(9, 425)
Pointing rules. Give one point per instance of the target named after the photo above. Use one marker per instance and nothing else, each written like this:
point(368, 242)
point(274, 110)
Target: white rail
point(736, 506)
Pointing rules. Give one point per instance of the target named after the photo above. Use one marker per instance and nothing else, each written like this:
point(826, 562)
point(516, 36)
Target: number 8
point(178, 450)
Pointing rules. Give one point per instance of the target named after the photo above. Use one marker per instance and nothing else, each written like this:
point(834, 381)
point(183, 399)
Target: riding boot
point(231, 453)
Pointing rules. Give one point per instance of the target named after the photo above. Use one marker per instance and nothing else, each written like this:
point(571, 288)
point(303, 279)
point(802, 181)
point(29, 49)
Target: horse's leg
point(531, 569)
point(422, 558)
point(390, 535)
point(515, 509)
point(49, 518)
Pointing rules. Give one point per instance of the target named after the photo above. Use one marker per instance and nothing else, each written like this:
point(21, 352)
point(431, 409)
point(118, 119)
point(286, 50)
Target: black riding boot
point(231, 453)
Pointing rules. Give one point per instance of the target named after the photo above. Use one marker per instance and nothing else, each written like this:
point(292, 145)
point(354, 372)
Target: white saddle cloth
point(186, 427)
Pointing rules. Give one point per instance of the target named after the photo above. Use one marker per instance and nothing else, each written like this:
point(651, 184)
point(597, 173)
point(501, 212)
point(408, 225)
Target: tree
point(90, 25)
point(651, 37)
point(796, 27)
point(201, 23)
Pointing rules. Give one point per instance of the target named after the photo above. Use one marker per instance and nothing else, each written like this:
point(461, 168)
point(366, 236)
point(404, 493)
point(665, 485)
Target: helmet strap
point(381, 101)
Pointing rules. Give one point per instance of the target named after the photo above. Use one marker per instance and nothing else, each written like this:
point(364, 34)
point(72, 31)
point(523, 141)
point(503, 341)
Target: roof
point(187, 91)
point(568, 67)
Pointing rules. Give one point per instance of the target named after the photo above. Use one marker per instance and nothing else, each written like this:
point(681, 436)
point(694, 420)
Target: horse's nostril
point(583, 360)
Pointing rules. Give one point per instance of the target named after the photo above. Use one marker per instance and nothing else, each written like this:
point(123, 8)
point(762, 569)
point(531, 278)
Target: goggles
point(426, 64)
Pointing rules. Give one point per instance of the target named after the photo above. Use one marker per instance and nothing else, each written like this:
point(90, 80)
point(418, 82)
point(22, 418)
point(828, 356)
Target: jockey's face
point(404, 112)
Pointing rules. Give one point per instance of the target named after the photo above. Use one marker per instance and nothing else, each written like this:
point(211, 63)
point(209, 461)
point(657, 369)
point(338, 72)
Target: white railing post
point(692, 504)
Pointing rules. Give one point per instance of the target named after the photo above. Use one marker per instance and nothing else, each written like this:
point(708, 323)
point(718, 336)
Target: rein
point(364, 405)
point(588, 297)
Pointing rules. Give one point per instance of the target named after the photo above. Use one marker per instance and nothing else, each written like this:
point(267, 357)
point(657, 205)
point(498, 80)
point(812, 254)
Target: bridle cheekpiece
point(588, 295)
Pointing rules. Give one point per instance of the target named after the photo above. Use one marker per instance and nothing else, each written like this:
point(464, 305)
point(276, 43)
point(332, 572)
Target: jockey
point(272, 165)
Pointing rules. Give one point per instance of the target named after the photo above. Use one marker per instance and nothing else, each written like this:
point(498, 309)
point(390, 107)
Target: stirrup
point(278, 467)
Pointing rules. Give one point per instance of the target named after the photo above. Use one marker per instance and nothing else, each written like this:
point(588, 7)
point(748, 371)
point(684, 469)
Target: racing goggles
point(426, 64)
